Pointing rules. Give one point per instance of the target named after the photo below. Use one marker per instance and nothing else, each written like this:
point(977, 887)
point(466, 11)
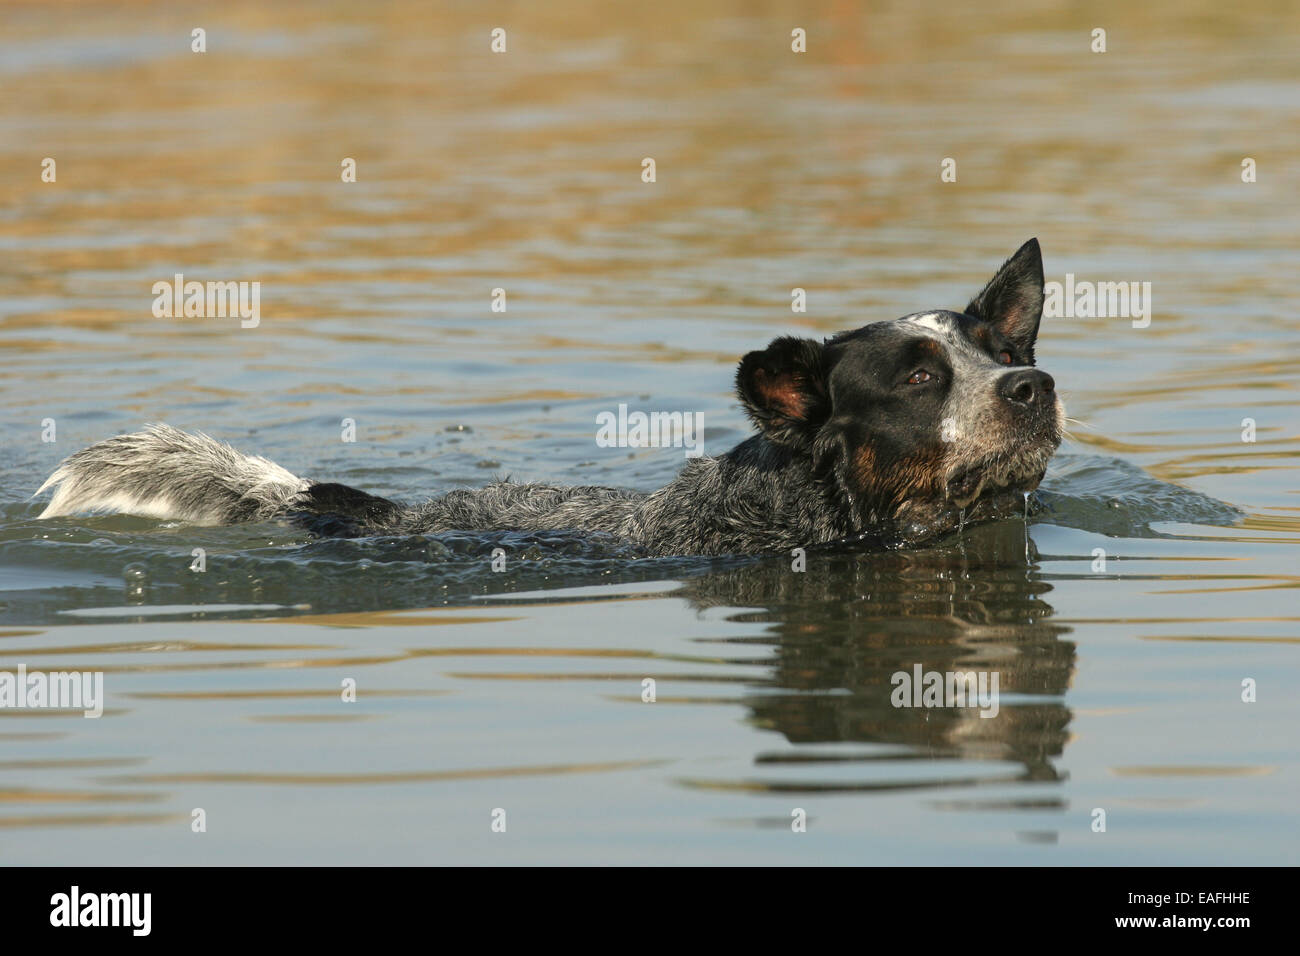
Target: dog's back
point(899, 429)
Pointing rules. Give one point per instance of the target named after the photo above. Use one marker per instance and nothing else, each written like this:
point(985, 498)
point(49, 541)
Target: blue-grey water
point(1153, 587)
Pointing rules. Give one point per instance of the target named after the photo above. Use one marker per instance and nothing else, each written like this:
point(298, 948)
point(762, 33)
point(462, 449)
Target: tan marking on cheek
point(920, 474)
point(864, 468)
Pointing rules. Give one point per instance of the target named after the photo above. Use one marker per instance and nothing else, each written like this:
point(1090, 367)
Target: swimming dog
point(899, 430)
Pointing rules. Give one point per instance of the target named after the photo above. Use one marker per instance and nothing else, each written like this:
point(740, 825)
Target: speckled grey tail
point(163, 472)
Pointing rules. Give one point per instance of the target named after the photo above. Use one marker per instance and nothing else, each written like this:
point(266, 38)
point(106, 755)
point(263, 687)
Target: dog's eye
point(917, 377)
point(1004, 358)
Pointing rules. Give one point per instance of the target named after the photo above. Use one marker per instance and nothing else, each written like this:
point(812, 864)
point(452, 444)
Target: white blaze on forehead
point(961, 351)
point(932, 321)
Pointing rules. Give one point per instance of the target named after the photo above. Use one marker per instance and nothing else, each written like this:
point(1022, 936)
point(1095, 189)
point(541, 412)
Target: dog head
point(931, 413)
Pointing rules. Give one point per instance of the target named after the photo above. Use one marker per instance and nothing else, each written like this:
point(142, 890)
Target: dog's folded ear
point(784, 389)
point(1012, 302)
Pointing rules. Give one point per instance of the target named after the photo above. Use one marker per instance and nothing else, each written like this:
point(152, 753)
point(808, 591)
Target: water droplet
point(1028, 560)
point(136, 579)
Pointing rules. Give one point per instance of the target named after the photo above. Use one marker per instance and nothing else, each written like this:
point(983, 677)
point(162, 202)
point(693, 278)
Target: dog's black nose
point(1029, 386)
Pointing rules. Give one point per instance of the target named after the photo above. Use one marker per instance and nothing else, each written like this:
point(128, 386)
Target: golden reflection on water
point(74, 796)
point(15, 715)
point(161, 647)
point(309, 718)
point(1219, 637)
point(69, 763)
point(413, 776)
point(774, 171)
point(393, 618)
point(1206, 771)
point(329, 694)
point(46, 821)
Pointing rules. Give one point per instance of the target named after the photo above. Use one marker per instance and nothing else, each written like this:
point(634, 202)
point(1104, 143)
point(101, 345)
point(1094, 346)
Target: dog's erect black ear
point(1012, 302)
point(784, 389)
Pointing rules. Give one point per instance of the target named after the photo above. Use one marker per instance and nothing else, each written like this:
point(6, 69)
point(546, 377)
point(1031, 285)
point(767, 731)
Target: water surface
point(522, 689)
